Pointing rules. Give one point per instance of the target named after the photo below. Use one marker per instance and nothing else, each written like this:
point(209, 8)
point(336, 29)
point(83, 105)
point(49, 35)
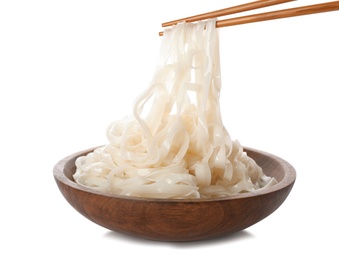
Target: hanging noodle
point(175, 145)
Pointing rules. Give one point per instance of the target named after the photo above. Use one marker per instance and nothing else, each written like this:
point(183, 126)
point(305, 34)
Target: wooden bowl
point(178, 219)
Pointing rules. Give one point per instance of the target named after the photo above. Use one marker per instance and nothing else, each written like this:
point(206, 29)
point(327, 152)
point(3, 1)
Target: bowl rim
point(288, 179)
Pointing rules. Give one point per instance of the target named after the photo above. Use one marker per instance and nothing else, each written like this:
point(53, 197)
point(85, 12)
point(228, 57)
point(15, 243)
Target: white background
point(68, 68)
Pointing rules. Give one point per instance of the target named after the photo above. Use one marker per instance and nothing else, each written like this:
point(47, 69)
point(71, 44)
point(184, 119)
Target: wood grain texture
point(175, 219)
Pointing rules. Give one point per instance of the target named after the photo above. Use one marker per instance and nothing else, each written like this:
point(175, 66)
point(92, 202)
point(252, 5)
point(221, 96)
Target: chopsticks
point(227, 11)
point(297, 11)
point(285, 13)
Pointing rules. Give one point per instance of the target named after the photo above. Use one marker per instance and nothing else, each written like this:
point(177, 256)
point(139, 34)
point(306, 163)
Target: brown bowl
point(178, 219)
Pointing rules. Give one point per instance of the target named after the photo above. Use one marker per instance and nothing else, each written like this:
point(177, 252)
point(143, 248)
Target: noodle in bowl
point(171, 171)
point(175, 145)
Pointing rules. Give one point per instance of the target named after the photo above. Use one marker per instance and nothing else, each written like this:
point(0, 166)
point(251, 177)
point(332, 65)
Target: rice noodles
point(175, 144)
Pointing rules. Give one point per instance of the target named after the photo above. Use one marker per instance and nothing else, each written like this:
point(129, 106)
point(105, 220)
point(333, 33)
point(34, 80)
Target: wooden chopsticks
point(297, 11)
point(228, 11)
point(291, 12)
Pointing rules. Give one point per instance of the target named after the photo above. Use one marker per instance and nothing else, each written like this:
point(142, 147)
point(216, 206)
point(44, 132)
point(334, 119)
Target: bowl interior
point(272, 166)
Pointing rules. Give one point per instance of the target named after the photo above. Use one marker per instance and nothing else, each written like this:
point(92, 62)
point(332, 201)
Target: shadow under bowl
point(178, 219)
